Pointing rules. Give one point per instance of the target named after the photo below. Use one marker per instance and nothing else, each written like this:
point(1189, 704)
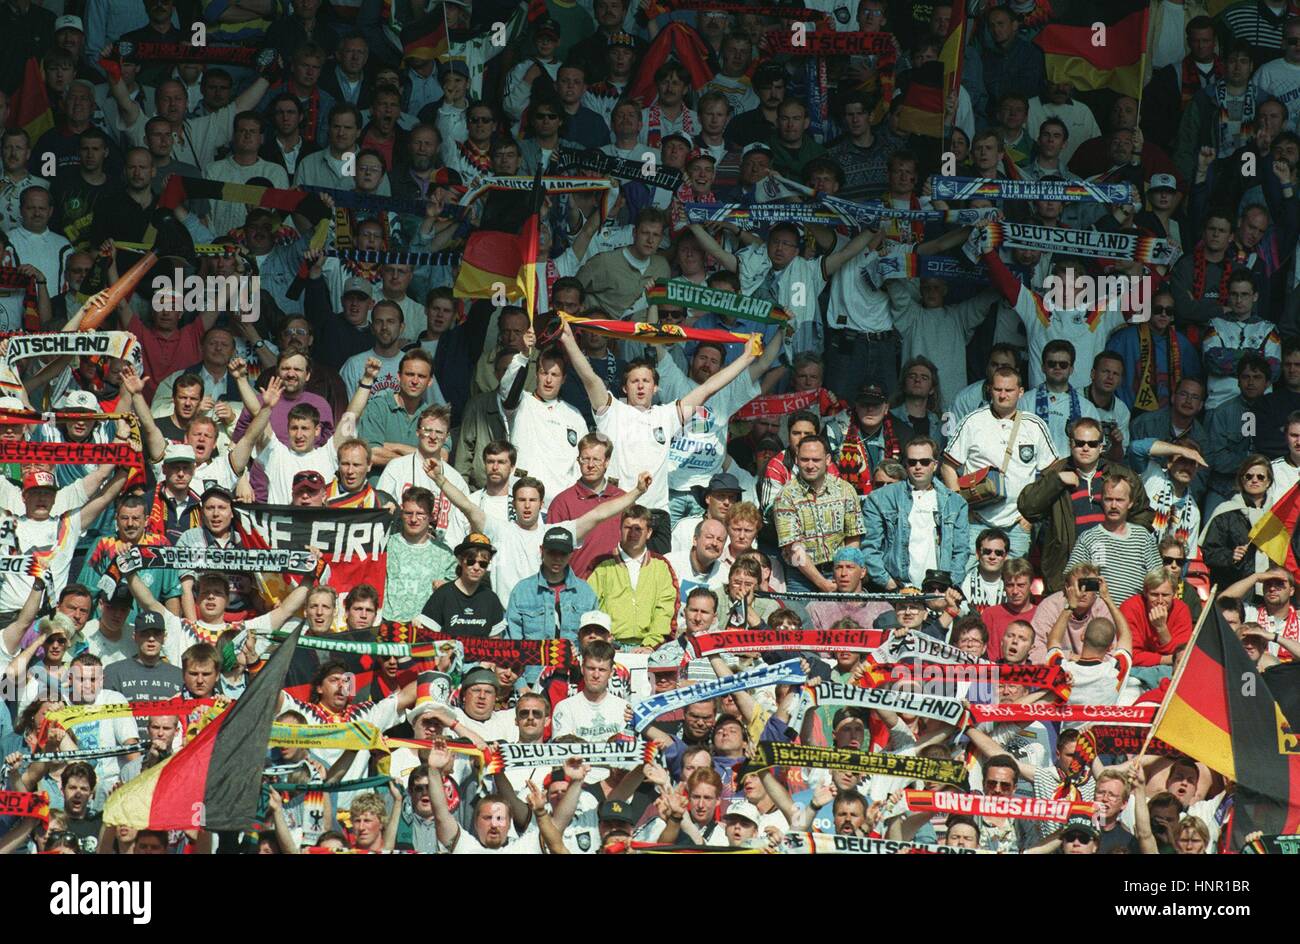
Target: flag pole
point(1178, 674)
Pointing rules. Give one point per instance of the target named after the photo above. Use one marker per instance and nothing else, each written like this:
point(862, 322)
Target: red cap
point(38, 478)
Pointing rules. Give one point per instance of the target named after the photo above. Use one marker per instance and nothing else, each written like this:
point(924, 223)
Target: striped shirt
point(1123, 559)
point(1253, 22)
point(1085, 501)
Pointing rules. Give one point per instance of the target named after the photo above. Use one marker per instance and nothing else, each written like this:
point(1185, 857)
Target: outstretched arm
point(359, 399)
point(12, 635)
point(242, 452)
point(714, 248)
point(836, 260)
point(93, 508)
point(597, 392)
point(444, 823)
point(155, 443)
point(473, 513)
point(608, 509)
point(688, 404)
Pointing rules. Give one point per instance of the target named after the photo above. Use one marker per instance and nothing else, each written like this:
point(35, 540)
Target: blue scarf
point(1041, 406)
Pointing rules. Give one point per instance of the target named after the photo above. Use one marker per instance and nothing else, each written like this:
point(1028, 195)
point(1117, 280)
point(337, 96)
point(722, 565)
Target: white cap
point(69, 22)
point(1161, 182)
point(178, 452)
point(596, 618)
point(745, 809)
point(78, 400)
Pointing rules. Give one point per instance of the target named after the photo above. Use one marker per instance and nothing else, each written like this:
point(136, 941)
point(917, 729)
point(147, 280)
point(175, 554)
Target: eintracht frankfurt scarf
point(1115, 714)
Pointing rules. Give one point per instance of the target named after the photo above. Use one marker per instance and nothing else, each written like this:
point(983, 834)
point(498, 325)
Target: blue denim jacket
point(887, 537)
point(530, 613)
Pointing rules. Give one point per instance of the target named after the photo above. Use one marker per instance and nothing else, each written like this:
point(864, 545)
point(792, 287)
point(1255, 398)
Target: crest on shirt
point(660, 438)
point(842, 14)
point(1027, 452)
point(584, 841)
point(573, 437)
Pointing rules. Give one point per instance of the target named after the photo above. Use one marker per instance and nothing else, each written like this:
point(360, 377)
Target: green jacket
point(1048, 499)
point(642, 617)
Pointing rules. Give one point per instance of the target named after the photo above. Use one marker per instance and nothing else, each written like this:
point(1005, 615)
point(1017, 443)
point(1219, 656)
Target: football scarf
point(72, 453)
point(246, 56)
point(769, 754)
point(703, 298)
point(1066, 191)
point(832, 43)
point(27, 417)
point(324, 786)
point(1264, 845)
point(119, 344)
point(899, 701)
point(658, 8)
point(235, 559)
point(812, 595)
point(1138, 715)
point(517, 653)
point(658, 333)
point(918, 646)
point(789, 672)
point(757, 215)
point(23, 804)
point(12, 279)
point(1008, 807)
point(1088, 243)
point(341, 736)
point(526, 184)
point(1121, 739)
point(783, 404)
point(908, 265)
point(71, 716)
point(853, 460)
point(1147, 398)
point(699, 645)
point(179, 189)
point(620, 168)
point(835, 844)
point(87, 753)
point(507, 755)
point(370, 202)
point(873, 213)
point(393, 257)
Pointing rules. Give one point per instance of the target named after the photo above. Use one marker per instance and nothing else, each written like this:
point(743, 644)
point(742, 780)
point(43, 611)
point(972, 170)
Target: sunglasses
point(483, 562)
point(1170, 561)
point(1162, 309)
point(1255, 477)
point(488, 119)
point(1076, 836)
point(1057, 364)
point(1087, 444)
point(993, 552)
point(919, 462)
point(530, 713)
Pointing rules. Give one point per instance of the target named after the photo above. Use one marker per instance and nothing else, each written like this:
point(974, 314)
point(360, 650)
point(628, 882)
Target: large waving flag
point(1272, 533)
point(214, 781)
point(495, 260)
point(425, 39)
point(953, 56)
point(921, 111)
point(29, 108)
point(1221, 711)
point(1102, 44)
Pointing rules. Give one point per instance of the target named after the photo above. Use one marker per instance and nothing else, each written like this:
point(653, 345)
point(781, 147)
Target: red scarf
point(855, 462)
point(366, 498)
point(480, 161)
point(157, 521)
point(1198, 274)
point(1191, 77)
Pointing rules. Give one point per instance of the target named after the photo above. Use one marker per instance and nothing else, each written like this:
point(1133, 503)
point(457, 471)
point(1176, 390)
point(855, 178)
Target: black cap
point(768, 73)
point(770, 443)
point(936, 578)
point(546, 25)
point(217, 491)
point(121, 596)
point(558, 539)
point(1083, 823)
point(872, 393)
point(886, 620)
point(846, 713)
point(616, 811)
point(147, 621)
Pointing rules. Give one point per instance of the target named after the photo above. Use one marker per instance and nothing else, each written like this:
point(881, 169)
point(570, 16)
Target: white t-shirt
point(1095, 682)
point(545, 434)
point(108, 650)
point(405, 471)
point(698, 450)
point(642, 440)
point(981, 441)
point(65, 499)
point(530, 843)
point(22, 534)
point(282, 464)
point(922, 552)
point(590, 721)
point(519, 553)
point(500, 727)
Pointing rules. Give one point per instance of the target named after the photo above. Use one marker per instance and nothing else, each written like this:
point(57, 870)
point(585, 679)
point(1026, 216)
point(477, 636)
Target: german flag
point(952, 56)
point(29, 108)
point(493, 259)
point(1272, 533)
point(1088, 58)
point(1221, 711)
point(214, 781)
point(426, 38)
point(921, 111)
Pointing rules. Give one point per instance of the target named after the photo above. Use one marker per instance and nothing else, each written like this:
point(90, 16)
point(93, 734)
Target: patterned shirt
point(822, 522)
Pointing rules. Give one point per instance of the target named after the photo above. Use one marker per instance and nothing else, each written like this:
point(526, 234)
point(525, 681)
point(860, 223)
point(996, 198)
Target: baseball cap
point(936, 578)
point(697, 155)
point(871, 394)
point(621, 39)
point(596, 618)
point(120, 597)
point(38, 478)
point(546, 25)
point(663, 660)
point(743, 809)
point(357, 286)
point(755, 146)
point(147, 621)
point(216, 491)
point(850, 554)
point(616, 811)
point(847, 713)
point(308, 482)
point(558, 539)
point(178, 452)
point(474, 542)
point(1083, 823)
point(1161, 182)
point(69, 22)
point(77, 400)
point(677, 136)
point(457, 66)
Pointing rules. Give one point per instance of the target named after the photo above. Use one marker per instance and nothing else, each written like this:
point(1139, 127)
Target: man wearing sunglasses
point(916, 525)
point(1057, 401)
point(1067, 497)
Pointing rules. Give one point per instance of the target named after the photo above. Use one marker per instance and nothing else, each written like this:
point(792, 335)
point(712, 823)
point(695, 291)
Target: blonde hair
point(1195, 824)
point(746, 511)
point(368, 803)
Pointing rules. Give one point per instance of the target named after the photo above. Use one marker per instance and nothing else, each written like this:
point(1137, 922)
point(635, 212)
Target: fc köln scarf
point(1010, 807)
point(352, 542)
